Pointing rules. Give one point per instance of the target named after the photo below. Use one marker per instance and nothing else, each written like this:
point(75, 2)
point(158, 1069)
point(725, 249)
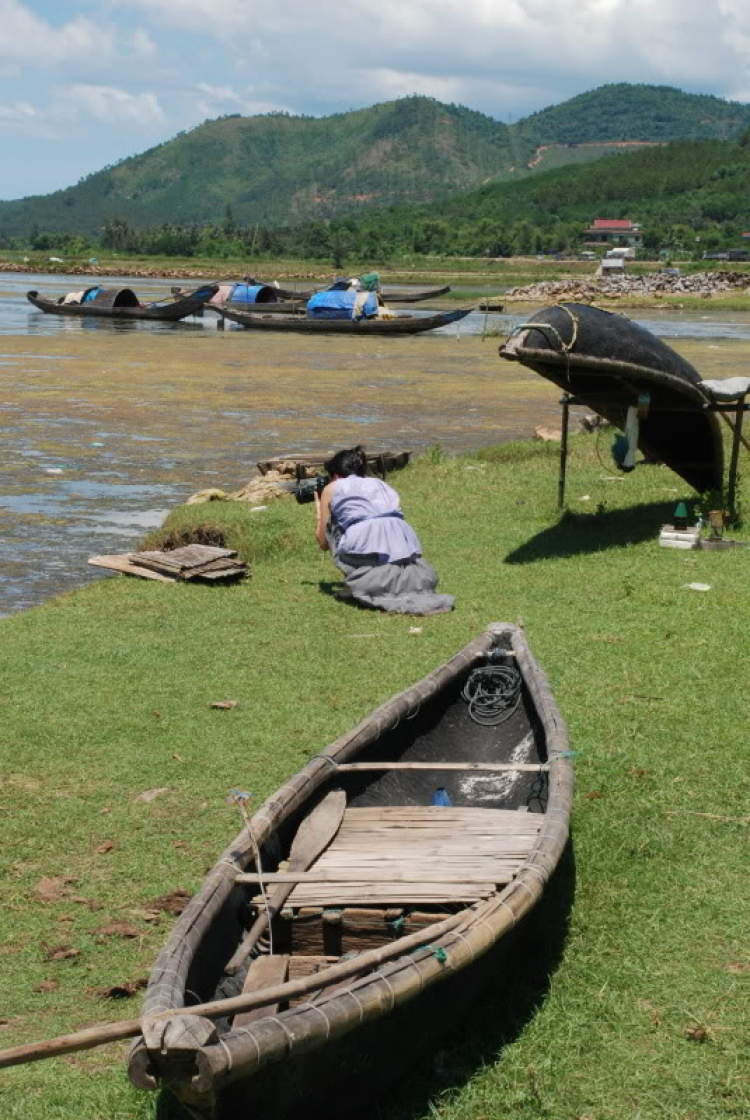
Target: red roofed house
point(613, 231)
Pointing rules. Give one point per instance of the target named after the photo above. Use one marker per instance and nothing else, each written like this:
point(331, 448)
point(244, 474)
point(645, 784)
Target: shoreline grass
point(105, 694)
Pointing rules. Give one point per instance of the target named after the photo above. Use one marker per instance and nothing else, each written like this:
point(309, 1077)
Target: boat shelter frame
point(738, 406)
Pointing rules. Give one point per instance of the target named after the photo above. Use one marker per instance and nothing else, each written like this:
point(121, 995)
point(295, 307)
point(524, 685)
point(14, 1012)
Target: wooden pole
point(565, 402)
point(130, 1028)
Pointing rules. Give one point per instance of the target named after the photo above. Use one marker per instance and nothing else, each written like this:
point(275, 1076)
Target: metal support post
point(733, 462)
point(565, 402)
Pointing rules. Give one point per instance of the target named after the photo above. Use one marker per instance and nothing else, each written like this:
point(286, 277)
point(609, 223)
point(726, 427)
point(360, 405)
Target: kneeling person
point(360, 520)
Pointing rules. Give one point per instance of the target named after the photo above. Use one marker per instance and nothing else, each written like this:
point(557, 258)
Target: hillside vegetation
point(678, 192)
point(276, 169)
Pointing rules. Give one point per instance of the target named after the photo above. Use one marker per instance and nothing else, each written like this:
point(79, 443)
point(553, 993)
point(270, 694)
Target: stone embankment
point(143, 272)
point(656, 285)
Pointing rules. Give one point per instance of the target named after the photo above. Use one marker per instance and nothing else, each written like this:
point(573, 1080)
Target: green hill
point(280, 170)
point(677, 192)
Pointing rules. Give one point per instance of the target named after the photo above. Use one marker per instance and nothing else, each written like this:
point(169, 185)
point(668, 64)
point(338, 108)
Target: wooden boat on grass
point(123, 303)
point(368, 900)
point(398, 325)
point(612, 365)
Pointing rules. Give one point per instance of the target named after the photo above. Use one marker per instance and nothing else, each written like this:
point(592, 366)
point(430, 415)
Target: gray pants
point(403, 587)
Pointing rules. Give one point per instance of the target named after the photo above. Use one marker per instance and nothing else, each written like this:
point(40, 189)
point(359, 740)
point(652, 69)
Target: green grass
point(105, 693)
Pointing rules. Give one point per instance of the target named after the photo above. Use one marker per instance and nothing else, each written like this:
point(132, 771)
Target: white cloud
point(220, 93)
point(16, 114)
point(113, 106)
point(28, 41)
point(334, 55)
point(74, 105)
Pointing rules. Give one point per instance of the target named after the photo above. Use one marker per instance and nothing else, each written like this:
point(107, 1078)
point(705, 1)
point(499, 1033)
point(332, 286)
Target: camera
point(307, 488)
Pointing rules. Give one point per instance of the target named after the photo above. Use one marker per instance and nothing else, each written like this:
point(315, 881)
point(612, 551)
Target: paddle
point(313, 836)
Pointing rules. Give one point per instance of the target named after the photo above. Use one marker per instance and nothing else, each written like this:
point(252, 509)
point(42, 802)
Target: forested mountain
point(677, 192)
point(624, 112)
point(276, 169)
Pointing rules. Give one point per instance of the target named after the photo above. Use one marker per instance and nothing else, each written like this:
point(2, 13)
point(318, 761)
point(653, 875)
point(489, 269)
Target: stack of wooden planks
point(194, 561)
point(416, 855)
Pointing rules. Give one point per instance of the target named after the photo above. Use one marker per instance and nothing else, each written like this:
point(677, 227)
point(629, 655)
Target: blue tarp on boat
point(253, 293)
point(342, 305)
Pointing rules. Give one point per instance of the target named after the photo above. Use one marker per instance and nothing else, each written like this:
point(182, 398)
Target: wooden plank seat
point(413, 854)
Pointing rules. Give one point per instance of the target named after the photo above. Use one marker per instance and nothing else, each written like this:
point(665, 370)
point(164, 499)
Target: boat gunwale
point(462, 938)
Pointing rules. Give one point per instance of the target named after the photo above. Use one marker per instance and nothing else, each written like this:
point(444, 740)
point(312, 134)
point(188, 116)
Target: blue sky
point(84, 83)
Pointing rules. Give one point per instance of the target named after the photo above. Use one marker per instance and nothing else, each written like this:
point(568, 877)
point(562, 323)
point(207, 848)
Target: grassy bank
point(105, 695)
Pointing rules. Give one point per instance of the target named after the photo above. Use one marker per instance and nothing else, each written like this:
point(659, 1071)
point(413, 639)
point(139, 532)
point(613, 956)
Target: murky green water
point(105, 428)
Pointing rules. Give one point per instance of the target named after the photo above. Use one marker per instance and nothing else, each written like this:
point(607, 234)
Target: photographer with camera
point(359, 520)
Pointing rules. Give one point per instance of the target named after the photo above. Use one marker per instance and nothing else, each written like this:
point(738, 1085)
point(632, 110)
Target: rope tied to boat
point(437, 951)
point(565, 347)
point(493, 693)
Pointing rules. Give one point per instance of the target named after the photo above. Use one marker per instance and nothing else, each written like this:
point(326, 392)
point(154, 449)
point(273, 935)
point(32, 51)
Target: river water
point(107, 425)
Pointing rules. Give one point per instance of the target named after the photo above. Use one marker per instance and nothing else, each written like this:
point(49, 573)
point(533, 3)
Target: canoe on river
point(391, 869)
point(123, 303)
point(607, 363)
point(389, 295)
point(398, 325)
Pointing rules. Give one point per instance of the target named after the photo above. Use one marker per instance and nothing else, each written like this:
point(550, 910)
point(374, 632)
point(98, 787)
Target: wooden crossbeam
point(530, 767)
point(475, 874)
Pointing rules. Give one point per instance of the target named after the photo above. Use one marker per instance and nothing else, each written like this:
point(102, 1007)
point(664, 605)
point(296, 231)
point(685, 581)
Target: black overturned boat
point(395, 325)
point(123, 303)
point(612, 365)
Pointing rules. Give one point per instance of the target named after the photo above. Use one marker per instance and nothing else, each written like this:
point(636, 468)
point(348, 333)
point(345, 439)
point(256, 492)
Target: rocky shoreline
point(703, 285)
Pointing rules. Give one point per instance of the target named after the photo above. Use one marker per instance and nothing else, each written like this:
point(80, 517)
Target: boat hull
point(392, 1002)
point(400, 325)
point(165, 313)
point(607, 362)
point(376, 1057)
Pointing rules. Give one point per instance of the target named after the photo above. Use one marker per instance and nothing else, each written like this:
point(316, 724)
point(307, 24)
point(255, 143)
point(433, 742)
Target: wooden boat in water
point(393, 295)
point(398, 325)
point(611, 364)
point(367, 901)
point(123, 303)
point(389, 295)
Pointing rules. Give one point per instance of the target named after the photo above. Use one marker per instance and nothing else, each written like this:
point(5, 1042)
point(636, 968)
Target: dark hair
point(350, 461)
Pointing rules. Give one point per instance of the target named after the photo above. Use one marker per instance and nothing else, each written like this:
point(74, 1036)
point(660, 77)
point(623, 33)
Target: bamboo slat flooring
point(415, 854)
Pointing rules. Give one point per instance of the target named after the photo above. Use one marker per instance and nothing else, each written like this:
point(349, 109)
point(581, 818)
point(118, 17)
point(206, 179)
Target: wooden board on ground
point(125, 565)
point(189, 563)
